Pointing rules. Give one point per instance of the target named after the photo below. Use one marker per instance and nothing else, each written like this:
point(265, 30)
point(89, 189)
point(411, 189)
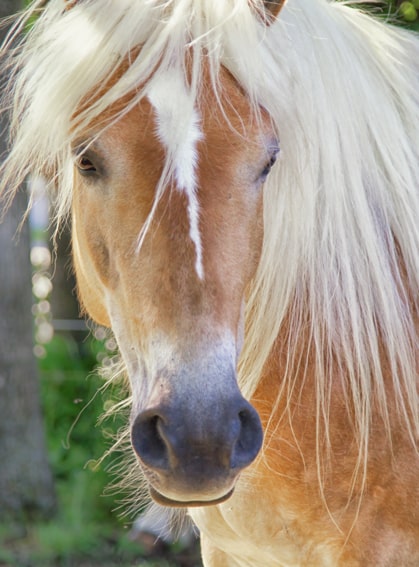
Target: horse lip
point(164, 501)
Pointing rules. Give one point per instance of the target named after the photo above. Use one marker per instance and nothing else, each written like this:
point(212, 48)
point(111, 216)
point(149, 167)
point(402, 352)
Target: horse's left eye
point(266, 170)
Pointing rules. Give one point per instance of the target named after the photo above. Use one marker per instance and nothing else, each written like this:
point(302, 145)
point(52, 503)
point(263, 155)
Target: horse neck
point(292, 401)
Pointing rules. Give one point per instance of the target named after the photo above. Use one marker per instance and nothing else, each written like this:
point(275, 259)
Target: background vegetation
point(403, 12)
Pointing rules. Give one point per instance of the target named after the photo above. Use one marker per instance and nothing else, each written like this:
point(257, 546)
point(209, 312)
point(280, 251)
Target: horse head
point(167, 233)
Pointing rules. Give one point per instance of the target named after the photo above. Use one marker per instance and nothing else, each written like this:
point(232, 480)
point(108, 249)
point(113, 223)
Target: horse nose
point(171, 439)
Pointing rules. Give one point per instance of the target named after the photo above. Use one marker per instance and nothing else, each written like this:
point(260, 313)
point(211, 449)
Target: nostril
point(148, 441)
point(249, 440)
point(249, 422)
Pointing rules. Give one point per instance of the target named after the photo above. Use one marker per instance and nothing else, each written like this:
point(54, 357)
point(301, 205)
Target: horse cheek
point(90, 286)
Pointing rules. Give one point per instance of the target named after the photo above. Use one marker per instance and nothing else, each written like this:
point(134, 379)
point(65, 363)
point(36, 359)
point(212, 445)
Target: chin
point(184, 502)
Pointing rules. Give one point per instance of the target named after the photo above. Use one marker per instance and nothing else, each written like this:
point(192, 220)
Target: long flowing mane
point(340, 258)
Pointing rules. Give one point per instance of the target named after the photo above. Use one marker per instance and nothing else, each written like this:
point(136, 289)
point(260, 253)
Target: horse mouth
point(164, 501)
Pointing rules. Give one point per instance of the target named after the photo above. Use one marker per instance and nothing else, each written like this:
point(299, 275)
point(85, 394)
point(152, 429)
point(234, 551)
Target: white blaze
point(178, 129)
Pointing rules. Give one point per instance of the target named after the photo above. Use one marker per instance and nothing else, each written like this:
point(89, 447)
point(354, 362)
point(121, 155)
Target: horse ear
point(270, 9)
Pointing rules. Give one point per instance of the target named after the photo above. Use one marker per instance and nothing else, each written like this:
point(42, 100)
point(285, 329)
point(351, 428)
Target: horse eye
point(85, 165)
point(266, 170)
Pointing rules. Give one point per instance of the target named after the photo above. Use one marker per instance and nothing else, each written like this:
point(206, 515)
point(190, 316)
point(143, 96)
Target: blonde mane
point(341, 245)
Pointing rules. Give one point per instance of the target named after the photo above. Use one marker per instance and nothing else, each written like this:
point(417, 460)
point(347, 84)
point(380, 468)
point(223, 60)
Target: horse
point(242, 182)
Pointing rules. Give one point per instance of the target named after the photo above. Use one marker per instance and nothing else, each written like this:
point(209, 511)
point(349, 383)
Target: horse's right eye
point(85, 165)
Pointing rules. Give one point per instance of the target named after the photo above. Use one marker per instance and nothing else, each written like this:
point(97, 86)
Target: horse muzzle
point(192, 452)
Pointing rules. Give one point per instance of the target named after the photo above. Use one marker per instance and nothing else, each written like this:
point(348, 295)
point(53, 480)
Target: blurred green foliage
point(86, 527)
point(403, 12)
point(73, 401)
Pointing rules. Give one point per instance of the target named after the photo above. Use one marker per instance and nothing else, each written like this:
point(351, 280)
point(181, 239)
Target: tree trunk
point(26, 486)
